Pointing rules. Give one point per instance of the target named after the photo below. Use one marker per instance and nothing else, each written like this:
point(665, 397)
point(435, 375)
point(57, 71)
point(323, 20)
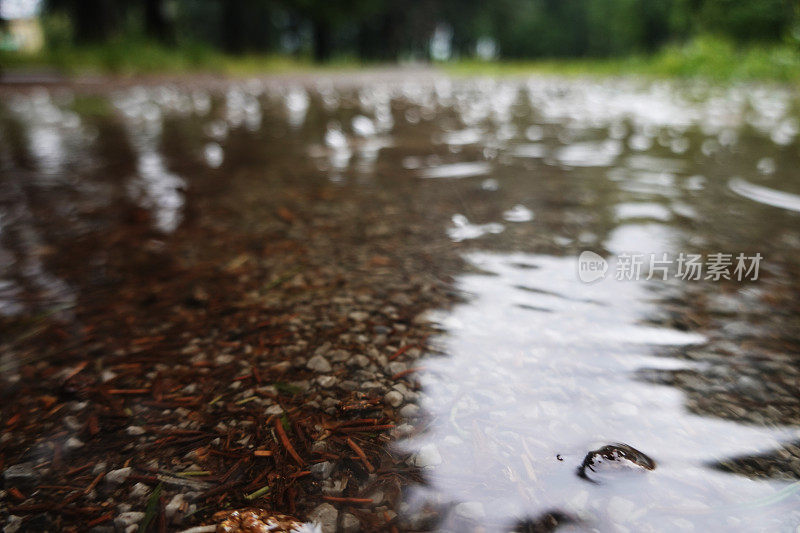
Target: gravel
point(118, 476)
point(23, 472)
point(394, 398)
point(350, 524)
point(326, 516)
point(428, 456)
point(319, 364)
point(321, 470)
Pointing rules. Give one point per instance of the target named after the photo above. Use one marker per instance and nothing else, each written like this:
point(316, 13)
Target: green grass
point(130, 57)
point(705, 57)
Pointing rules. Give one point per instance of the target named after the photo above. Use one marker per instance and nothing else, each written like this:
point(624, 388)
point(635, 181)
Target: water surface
point(533, 368)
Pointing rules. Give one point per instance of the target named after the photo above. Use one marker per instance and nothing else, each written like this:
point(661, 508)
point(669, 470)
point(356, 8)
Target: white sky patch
point(20, 9)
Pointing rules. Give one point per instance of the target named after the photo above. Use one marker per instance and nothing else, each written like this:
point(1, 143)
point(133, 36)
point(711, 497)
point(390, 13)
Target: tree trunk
point(94, 20)
point(322, 41)
point(156, 24)
point(233, 40)
point(379, 38)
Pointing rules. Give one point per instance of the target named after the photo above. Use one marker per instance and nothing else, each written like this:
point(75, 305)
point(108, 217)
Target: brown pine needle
point(94, 483)
point(361, 455)
point(339, 499)
point(286, 443)
point(404, 373)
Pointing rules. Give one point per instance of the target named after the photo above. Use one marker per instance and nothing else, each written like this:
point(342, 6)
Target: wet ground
point(360, 302)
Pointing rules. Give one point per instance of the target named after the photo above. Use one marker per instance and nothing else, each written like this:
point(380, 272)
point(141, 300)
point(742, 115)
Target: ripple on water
point(530, 150)
point(457, 170)
point(589, 154)
point(646, 210)
point(765, 195)
point(462, 229)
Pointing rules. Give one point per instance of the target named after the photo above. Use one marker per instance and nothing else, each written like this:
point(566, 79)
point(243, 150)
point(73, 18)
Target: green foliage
point(761, 20)
point(719, 59)
point(713, 38)
point(706, 57)
point(136, 55)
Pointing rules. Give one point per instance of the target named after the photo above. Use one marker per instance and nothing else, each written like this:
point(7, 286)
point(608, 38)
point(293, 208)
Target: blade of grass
point(151, 509)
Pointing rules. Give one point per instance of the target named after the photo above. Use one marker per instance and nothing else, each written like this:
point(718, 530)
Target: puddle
point(104, 195)
point(534, 379)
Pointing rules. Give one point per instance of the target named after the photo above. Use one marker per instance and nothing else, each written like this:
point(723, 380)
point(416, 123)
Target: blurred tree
point(241, 25)
point(93, 20)
point(329, 19)
point(763, 20)
point(390, 30)
point(157, 23)
point(658, 23)
point(386, 30)
point(234, 16)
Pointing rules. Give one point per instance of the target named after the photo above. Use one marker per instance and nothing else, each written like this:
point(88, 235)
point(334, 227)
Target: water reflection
point(540, 369)
point(462, 229)
point(457, 170)
point(55, 136)
point(55, 144)
point(156, 189)
point(765, 195)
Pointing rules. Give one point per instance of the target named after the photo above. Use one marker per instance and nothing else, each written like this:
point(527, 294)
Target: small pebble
point(428, 456)
point(325, 516)
point(173, 510)
point(118, 476)
point(140, 490)
point(350, 524)
point(327, 381)
point(394, 398)
point(409, 411)
point(130, 518)
point(319, 364)
point(20, 472)
point(321, 470)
